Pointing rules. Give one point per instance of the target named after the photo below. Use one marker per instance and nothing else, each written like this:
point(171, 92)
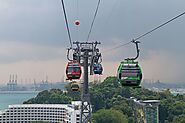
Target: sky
point(33, 36)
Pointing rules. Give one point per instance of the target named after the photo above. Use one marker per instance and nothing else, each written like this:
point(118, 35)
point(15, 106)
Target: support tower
point(86, 53)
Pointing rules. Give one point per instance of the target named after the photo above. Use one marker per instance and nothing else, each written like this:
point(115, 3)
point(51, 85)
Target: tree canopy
point(109, 116)
point(54, 96)
point(110, 95)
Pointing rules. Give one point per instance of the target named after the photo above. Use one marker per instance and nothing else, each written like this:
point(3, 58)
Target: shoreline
point(18, 92)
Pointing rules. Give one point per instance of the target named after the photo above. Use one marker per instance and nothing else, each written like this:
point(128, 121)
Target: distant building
point(53, 113)
point(151, 111)
point(147, 111)
point(44, 85)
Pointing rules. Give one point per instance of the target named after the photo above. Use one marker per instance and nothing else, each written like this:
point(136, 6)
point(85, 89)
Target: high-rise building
point(151, 109)
point(147, 111)
point(53, 113)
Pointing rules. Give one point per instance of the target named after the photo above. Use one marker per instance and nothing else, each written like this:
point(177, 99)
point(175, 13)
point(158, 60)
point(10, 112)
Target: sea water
point(10, 98)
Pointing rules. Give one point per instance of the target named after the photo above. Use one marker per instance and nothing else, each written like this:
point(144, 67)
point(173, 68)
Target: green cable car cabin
point(129, 73)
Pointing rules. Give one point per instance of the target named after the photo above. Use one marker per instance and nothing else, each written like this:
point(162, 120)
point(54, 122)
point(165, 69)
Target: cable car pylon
point(86, 54)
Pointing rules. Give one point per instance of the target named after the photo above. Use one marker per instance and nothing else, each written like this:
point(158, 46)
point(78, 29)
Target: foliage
point(110, 95)
point(179, 119)
point(109, 116)
point(54, 96)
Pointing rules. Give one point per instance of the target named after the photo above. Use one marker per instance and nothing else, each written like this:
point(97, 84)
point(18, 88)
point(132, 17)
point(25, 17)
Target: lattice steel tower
point(86, 53)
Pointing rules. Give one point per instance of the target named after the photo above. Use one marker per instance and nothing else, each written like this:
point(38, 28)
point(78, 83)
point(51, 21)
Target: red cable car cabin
point(73, 70)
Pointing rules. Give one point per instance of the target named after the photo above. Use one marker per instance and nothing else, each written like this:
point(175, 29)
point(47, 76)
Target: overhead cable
point(159, 26)
point(95, 14)
point(66, 21)
point(143, 35)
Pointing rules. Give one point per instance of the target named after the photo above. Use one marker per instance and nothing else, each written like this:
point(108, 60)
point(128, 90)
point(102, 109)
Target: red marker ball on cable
point(77, 22)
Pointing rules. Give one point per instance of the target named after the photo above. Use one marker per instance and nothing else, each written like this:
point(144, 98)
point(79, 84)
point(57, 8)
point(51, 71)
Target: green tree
point(109, 116)
point(179, 119)
point(124, 107)
point(110, 95)
point(53, 96)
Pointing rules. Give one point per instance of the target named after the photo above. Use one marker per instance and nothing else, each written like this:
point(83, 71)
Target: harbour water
point(9, 98)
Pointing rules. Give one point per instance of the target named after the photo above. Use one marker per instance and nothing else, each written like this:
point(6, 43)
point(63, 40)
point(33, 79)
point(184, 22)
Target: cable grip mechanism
point(137, 50)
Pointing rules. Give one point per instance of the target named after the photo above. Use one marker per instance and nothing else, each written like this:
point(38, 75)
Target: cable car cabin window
point(129, 75)
point(73, 69)
point(70, 70)
point(97, 68)
point(74, 86)
point(76, 69)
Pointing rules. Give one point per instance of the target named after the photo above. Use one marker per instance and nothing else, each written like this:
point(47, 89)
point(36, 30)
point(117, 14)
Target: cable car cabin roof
point(129, 62)
point(129, 65)
point(70, 66)
point(74, 65)
point(75, 86)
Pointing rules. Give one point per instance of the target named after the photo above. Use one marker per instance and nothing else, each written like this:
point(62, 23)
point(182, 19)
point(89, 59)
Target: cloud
point(30, 70)
point(11, 52)
point(34, 22)
point(163, 65)
point(34, 32)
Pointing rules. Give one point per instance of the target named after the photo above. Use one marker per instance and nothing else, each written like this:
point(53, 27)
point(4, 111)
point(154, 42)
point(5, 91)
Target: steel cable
point(95, 14)
point(66, 21)
point(143, 35)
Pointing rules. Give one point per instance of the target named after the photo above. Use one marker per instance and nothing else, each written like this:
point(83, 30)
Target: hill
point(110, 95)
